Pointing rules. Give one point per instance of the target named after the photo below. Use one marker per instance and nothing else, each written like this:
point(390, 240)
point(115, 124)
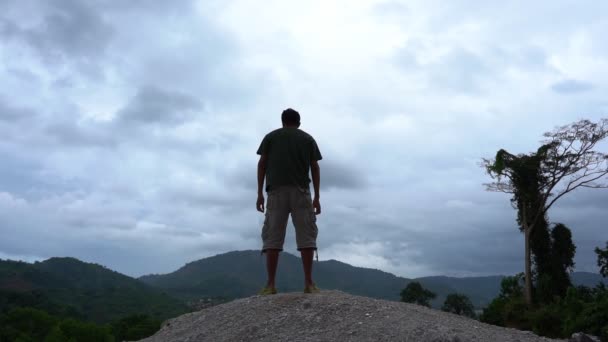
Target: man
point(286, 157)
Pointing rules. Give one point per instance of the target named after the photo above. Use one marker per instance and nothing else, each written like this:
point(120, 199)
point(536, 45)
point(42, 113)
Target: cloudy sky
point(129, 128)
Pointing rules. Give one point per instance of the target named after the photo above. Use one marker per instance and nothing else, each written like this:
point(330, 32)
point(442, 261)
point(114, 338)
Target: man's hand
point(315, 171)
point(260, 203)
point(316, 204)
point(261, 174)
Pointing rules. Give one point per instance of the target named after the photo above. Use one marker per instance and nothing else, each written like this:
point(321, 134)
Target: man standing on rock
point(286, 157)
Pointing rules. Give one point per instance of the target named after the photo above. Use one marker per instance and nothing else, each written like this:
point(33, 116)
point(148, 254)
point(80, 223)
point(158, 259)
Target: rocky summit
point(329, 316)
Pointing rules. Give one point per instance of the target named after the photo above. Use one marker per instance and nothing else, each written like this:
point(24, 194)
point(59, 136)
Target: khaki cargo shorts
point(281, 202)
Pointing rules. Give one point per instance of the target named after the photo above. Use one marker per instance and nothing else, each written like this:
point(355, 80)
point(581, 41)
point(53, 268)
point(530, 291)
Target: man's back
point(289, 152)
point(286, 156)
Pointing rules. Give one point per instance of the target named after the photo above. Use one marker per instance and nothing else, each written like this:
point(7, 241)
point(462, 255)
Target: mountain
point(587, 279)
point(241, 273)
point(482, 290)
point(70, 287)
point(93, 291)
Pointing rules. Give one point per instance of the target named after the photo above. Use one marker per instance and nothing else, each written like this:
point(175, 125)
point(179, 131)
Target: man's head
point(290, 118)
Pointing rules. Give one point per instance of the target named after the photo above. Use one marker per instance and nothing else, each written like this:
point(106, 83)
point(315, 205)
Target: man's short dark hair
point(290, 117)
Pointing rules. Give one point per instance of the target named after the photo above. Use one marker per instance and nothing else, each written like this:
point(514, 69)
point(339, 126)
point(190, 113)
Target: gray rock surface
point(581, 337)
point(329, 316)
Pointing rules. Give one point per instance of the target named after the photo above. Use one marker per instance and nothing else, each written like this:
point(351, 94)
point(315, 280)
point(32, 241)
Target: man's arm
point(315, 170)
point(261, 176)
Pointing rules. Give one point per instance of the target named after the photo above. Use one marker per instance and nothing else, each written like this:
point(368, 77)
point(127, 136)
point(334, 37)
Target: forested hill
point(241, 273)
point(92, 291)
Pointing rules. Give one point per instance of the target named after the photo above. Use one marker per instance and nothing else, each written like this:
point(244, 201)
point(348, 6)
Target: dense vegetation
point(59, 299)
point(554, 313)
point(64, 299)
point(29, 324)
point(81, 290)
point(602, 260)
point(566, 161)
point(543, 298)
point(582, 309)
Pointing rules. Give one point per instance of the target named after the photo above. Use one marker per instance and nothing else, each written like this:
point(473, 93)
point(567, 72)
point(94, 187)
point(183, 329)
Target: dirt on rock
point(329, 316)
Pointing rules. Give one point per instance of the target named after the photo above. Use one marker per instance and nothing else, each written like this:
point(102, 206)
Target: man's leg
point(307, 258)
point(304, 220)
point(273, 233)
point(272, 261)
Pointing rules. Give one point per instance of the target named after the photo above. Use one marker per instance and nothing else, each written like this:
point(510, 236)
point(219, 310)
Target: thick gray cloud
point(336, 173)
point(69, 29)
point(154, 105)
point(71, 134)
point(9, 113)
point(130, 128)
point(59, 33)
point(342, 175)
point(571, 86)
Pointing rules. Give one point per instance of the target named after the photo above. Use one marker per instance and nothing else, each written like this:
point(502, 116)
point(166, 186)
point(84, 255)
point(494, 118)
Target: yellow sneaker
point(312, 289)
point(267, 291)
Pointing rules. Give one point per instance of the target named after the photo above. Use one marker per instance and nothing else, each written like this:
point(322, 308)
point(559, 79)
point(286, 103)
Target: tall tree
point(416, 294)
point(566, 161)
point(540, 246)
point(562, 258)
point(554, 279)
point(602, 260)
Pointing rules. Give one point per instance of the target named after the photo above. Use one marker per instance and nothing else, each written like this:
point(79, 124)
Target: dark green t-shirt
point(289, 153)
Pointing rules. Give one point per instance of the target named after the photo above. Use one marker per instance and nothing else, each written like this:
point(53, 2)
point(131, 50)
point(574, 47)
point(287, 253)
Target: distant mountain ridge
point(240, 274)
point(68, 286)
point(94, 291)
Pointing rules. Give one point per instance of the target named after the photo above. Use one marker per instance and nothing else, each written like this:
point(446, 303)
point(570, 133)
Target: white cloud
point(403, 98)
